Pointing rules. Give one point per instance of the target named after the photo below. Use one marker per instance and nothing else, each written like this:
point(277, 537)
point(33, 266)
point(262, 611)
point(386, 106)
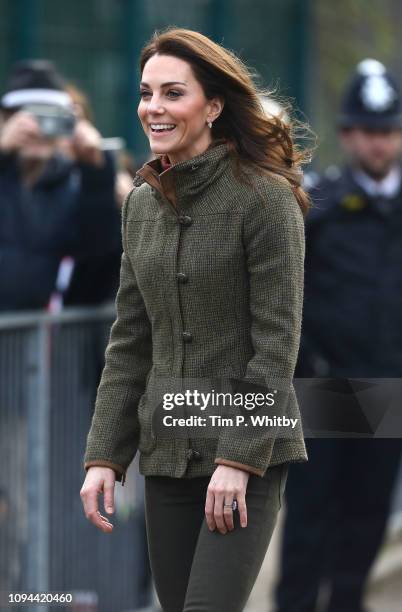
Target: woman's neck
point(165, 162)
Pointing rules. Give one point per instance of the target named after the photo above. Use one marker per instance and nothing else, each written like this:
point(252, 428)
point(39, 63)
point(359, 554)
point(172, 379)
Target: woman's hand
point(227, 483)
point(98, 480)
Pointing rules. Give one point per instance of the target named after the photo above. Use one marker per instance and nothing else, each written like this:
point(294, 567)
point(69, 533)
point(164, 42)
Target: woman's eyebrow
point(165, 84)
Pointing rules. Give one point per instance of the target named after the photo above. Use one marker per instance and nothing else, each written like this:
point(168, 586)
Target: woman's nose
point(155, 105)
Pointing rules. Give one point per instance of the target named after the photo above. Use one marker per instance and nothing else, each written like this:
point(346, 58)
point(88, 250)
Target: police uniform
point(338, 503)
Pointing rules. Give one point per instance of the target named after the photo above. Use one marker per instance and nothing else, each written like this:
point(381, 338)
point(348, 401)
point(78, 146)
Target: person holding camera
point(51, 206)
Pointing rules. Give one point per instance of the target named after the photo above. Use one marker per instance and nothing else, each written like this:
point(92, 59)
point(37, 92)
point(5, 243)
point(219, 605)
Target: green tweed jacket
point(211, 291)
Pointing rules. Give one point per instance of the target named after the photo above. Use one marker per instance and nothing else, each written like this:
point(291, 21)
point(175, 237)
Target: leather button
point(185, 220)
point(187, 337)
point(193, 454)
point(182, 277)
point(197, 456)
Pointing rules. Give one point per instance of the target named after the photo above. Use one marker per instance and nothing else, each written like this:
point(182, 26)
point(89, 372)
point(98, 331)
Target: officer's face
point(173, 108)
point(375, 151)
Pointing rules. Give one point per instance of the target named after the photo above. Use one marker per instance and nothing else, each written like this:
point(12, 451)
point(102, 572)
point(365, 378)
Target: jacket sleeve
point(275, 249)
point(113, 437)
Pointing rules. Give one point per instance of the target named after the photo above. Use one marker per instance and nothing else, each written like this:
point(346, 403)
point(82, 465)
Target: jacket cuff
point(240, 466)
point(118, 469)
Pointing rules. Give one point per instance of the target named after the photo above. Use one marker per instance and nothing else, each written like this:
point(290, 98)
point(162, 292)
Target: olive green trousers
point(198, 570)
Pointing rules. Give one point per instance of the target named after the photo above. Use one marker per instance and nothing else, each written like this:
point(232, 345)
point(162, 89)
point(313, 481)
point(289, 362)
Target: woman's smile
point(157, 129)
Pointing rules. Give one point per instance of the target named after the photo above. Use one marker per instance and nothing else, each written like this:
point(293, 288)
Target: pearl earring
point(209, 124)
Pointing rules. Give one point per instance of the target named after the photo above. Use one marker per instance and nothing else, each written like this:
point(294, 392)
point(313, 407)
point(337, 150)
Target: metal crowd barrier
point(49, 371)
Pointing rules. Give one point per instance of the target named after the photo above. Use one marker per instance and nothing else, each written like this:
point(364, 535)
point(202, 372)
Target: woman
point(211, 291)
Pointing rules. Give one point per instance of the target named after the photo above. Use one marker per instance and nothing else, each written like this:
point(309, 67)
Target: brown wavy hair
point(265, 141)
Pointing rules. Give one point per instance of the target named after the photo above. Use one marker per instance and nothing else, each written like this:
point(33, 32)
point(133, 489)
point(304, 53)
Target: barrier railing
point(50, 366)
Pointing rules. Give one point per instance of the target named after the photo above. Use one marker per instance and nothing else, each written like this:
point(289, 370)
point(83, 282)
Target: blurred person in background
point(92, 279)
point(338, 503)
point(126, 166)
point(50, 205)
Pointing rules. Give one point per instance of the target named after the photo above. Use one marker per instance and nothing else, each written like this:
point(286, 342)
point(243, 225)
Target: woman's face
point(173, 109)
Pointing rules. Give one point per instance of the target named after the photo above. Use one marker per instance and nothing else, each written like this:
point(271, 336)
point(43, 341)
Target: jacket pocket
point(147, 441)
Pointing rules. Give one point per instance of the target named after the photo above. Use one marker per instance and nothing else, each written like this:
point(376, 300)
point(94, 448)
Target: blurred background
point(305, 47)
point(52, 344)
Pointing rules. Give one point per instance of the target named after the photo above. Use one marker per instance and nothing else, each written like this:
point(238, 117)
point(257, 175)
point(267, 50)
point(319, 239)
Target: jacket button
point(185, 220)
point(182, 277)
point(193, 454)
point(187, 337)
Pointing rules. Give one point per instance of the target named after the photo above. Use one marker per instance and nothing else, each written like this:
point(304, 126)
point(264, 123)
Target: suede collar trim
point(187, 178)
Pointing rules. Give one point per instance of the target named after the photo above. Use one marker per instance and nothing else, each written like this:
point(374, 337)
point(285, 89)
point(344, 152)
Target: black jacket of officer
point(352, 323)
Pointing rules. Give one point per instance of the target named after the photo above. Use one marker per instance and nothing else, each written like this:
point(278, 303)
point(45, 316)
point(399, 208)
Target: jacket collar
point(182, 181)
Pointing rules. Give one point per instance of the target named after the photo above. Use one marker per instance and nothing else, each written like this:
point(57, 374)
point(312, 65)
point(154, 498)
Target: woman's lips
point(162, 133)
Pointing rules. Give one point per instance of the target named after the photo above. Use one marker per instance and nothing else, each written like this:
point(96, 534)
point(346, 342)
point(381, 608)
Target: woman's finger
point(242, 508)
point(228, 512)
point(209, 510)
point(218, 511)
point(100, 521)
point(90, 501)
point(108, 497)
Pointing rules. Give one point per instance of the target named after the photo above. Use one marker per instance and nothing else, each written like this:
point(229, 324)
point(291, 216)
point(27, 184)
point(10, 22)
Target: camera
point(54, 121)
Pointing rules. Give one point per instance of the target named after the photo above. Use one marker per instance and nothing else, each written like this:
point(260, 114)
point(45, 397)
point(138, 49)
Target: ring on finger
point(233, 505)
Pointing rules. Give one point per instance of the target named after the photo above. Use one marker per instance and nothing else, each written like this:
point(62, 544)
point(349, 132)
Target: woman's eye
point(173, 94)
point(170, 94)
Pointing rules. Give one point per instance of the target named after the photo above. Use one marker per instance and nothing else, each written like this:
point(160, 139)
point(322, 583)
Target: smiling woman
point(211, 290)
point(174, 111)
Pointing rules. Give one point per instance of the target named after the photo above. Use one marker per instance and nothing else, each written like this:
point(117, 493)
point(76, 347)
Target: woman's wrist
point(241, 466)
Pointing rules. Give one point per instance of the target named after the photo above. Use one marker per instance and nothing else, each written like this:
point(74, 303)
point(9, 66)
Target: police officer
point(338, 502)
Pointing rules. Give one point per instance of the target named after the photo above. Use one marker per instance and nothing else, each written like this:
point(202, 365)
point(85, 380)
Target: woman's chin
point(158, 148)
point(162, 144)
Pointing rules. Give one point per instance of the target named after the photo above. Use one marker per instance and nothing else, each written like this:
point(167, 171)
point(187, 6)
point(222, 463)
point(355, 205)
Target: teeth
point(162, 126)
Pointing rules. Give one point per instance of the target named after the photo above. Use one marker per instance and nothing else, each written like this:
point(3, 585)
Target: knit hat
point(35, 82)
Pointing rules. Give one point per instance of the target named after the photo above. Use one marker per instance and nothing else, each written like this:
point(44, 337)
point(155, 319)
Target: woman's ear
point(215, 108)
